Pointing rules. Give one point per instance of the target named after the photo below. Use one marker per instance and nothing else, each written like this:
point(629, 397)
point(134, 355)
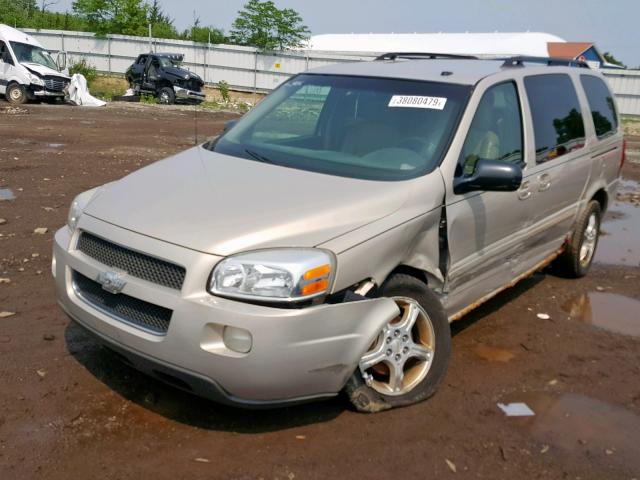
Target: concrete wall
point(244, 68)
point(626, 87)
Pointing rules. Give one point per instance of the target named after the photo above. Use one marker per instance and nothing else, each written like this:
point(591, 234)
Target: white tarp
point(79, 93)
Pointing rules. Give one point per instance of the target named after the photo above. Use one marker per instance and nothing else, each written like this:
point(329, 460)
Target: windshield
point(30, 53)
point(370, 128)
point(168, 62)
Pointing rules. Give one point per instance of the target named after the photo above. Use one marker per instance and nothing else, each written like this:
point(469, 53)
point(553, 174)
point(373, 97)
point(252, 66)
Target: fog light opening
point(237, 339)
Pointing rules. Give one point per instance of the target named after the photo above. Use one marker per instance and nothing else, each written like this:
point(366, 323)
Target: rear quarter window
point(601, 104)
point(557, 118)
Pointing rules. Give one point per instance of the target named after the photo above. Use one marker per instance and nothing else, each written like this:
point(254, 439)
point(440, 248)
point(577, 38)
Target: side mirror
point(61, 60)
point(490, 176)
point(229, 125)
point(6, 57)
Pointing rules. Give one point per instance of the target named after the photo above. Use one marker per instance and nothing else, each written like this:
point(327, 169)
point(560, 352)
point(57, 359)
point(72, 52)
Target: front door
point(6, 65)
point(151, 74)
point(485, 229)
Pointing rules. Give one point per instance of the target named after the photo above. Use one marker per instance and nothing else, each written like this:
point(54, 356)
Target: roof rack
point(520, 60)
point(422, 55)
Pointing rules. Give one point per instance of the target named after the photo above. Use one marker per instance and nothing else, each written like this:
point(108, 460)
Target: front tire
point(409, 358)
point(579, 251)
point(166, 96)
point(16, 94)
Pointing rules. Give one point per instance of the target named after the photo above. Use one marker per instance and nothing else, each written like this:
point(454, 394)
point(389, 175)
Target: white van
point(27, 70)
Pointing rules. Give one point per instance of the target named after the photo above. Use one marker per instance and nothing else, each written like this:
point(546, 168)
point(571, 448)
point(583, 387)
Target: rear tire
point(580, 249)
point(16, 94)
point(166, 96)
point(374, 390)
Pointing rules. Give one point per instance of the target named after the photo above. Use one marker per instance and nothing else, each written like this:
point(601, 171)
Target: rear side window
point(557, 119)
point(496, 130)
point(601, 105)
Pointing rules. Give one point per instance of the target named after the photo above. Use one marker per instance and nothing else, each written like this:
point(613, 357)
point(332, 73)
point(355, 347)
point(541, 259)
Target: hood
point(222, 205)
point(42, 70)
point(180, 73)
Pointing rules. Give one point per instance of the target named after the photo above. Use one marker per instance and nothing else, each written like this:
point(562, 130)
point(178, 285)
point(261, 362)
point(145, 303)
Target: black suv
point(161, 75)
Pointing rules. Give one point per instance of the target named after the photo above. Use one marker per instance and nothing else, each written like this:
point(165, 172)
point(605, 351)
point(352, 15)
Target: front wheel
point(16, 94)
point(408, 359)
point(167, 96)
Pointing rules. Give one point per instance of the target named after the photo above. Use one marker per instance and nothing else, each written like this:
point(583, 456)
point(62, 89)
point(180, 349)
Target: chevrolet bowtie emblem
point(112, 282)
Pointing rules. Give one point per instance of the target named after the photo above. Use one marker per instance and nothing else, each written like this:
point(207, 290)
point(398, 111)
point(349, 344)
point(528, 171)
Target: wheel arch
point(602, 197)
point(162, 83)
point(429, 278)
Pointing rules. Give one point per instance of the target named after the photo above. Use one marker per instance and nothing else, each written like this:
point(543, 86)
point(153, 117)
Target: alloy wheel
point(589, 241)
point(402, 354)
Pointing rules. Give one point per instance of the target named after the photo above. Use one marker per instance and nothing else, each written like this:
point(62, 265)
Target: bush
point(223, 87)
point(84, 67)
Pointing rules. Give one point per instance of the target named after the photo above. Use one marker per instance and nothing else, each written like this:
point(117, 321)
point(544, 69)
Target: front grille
point(55, 84)
point(193, 85)
point(134, 263)
point(131, 310)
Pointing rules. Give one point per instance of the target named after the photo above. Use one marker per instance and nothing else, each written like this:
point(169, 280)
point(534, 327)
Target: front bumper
point(47, 93)
point(39, 92)
point(190, 95)
point(296, 354)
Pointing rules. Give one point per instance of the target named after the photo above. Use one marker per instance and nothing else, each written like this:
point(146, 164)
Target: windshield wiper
point(257, 156)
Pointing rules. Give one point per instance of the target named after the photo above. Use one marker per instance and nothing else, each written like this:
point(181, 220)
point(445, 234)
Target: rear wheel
point(167, 96)
point(408, 359)
point(16, 94)
point(576, 259)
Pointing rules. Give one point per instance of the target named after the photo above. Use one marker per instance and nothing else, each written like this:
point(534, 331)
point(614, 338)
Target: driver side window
point(5, 56)
point(496, 130)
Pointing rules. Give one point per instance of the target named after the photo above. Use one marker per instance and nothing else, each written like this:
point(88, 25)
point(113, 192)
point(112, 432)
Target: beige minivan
point(325, 242)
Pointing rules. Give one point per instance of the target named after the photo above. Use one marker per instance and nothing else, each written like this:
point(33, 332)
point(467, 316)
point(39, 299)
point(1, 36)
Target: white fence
point(245, 68)
point(626, 87)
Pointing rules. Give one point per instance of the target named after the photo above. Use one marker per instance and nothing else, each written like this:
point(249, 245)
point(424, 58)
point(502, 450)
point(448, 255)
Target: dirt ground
point(70, 409)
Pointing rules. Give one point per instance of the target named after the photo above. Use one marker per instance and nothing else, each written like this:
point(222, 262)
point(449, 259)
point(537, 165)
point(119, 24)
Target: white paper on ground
point(79, 93)
point(516, 409)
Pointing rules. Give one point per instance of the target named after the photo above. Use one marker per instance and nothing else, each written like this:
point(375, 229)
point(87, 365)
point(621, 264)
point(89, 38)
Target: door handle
point(544, 182)
point(523, 191)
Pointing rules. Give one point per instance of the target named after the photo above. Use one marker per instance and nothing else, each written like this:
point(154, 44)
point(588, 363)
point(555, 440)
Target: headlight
point(74, 214)
point(78, 205)
point(36, 80)
point(278, 275)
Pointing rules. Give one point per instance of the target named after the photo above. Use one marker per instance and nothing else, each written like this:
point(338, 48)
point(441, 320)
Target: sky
point(614, 25)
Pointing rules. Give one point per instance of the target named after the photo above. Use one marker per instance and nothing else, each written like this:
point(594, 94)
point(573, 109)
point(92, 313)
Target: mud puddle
point(574, 424)
point(493, 354)
point(610, 311)
point(619, 243)
point(6, 194)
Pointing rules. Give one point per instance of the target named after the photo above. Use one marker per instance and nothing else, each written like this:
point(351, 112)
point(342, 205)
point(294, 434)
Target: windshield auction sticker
point(416, 101)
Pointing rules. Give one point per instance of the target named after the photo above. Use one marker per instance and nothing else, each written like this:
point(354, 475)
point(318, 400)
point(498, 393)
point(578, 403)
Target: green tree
point(202, 34)
point(17, 12)
point(126, 17)
point(611, 59)
point(161, 23)
point(263, 25)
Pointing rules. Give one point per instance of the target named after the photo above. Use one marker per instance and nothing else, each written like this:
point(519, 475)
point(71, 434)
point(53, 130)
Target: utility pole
point(150, 48)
